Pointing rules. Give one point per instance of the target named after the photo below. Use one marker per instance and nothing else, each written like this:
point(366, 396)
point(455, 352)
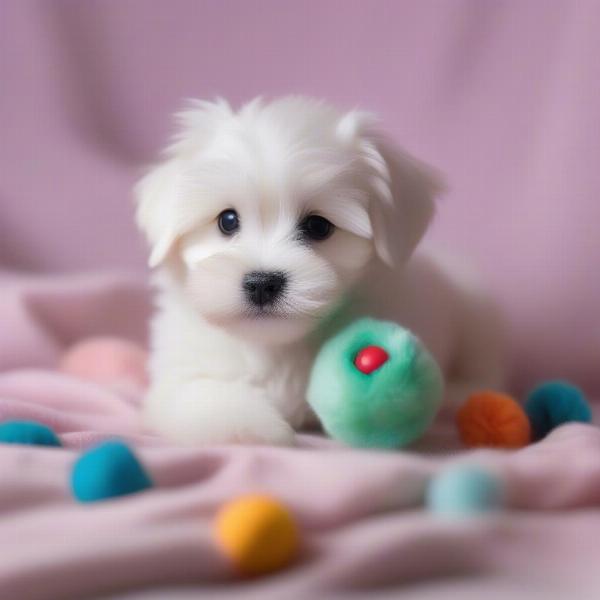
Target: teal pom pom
point(554, 403)
point(108, 471)
point(28, 433)
point(464, 490)
point(388, 407)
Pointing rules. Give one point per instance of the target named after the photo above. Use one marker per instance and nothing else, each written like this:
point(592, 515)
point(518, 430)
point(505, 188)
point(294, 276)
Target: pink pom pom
point(107, 360)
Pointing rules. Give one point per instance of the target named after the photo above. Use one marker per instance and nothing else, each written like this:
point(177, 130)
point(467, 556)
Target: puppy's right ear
point(159, 212)
point(156, 195)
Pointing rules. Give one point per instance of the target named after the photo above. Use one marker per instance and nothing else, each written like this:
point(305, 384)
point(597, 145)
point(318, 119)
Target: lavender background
point(502, 96)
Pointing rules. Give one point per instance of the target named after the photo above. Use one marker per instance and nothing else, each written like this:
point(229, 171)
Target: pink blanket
point(364, 529)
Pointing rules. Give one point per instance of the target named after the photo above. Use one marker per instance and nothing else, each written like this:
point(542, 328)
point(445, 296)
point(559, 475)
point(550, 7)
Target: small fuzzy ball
point(257, 533)
point(29, 433)
point(107, 360)
point(492, 419)
point(108, 471)
point(375, 385)
point(464, 490)
point(554, 403)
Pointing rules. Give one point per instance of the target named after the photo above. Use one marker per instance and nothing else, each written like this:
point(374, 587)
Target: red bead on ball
point(370, 359)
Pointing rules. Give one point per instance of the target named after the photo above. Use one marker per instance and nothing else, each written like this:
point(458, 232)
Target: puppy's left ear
point(402, 189)
point(401, 217)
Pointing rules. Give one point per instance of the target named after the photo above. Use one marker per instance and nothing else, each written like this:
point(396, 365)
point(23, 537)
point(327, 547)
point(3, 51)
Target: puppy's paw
point(213, 412)
point(269, 429)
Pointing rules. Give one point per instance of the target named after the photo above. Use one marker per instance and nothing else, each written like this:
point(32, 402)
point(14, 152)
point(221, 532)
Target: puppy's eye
point(316, 227)
point(228, 221)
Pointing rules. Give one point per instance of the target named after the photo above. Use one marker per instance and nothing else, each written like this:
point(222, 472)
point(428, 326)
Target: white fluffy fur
point(221, 373)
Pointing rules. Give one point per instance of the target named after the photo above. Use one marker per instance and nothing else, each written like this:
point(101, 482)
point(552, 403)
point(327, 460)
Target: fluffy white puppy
point(268, 225)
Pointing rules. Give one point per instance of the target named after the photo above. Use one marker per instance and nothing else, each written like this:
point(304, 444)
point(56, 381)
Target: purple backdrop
point(504, 97)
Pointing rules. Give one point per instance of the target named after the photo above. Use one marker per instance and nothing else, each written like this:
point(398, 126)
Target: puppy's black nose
point(263, 287)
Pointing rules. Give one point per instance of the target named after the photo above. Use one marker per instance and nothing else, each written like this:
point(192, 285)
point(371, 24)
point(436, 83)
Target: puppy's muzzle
point(263, 288)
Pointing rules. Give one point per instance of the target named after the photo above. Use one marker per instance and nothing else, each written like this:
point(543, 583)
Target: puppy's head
point(266, 216)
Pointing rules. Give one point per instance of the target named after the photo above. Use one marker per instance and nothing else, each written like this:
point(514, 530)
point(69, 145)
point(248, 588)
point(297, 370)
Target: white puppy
point(267, 226)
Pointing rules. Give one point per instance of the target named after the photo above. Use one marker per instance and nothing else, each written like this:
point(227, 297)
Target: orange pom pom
point(257, 533)
point(492, 419)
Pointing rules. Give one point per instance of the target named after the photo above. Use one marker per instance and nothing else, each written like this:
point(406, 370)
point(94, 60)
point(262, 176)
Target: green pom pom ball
point(374, 385)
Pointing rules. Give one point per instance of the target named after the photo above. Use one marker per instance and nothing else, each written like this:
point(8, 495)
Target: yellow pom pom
point(492, 419)
point(258, 533)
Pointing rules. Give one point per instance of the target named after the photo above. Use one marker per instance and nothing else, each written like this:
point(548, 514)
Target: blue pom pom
point(464, 490)
point(29, 433)
point(108, 471)
point(553, 403)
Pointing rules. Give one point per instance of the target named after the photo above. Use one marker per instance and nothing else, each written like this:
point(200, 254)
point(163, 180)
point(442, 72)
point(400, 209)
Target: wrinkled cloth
point(364, 528)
